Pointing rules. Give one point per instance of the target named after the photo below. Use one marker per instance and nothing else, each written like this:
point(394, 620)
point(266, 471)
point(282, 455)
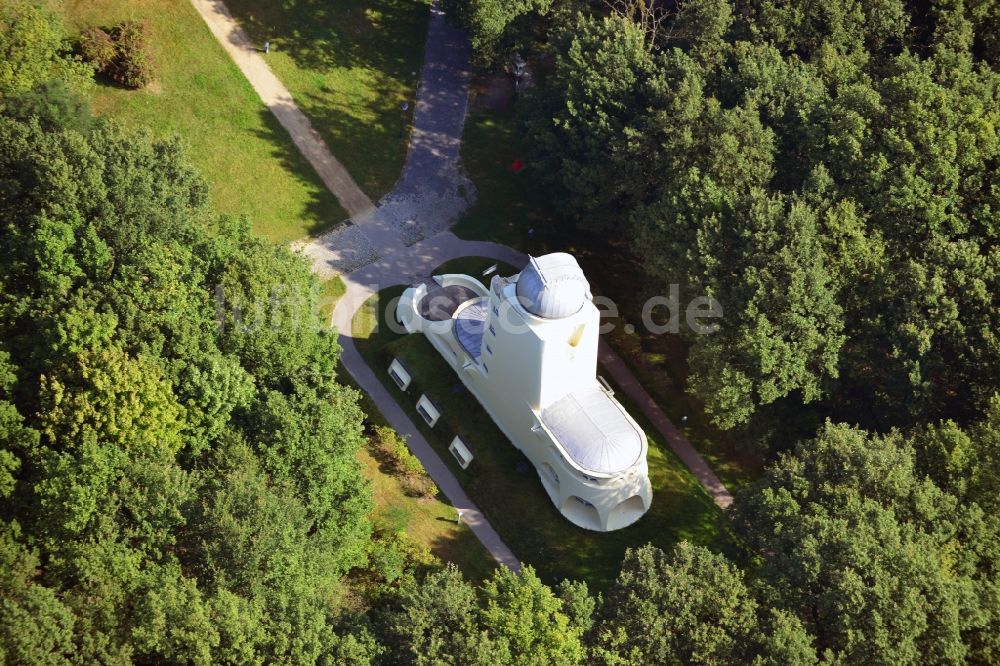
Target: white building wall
point(527, 363)
point(543, 359)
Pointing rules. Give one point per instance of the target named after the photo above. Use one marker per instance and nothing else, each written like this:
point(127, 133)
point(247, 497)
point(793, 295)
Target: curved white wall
point(526, 364)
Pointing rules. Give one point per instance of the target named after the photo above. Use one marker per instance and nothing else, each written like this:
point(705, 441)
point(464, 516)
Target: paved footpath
point(630, 386)
point(432, 192)
point(439, 117)
point(381, 248)
point(279, 101)
point(402, 269)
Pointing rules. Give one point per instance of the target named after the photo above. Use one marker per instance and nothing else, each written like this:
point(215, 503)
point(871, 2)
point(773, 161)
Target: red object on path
point(516, 166)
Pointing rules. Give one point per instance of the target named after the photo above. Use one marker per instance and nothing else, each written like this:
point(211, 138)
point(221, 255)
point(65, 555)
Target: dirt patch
point(495, 93)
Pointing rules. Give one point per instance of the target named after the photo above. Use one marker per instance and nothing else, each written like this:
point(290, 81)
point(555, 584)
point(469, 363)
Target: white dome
point(552, 286)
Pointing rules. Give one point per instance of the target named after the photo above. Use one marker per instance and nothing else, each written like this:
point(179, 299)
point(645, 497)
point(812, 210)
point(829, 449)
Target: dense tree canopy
point(692, 607)
point(513, 619)
point(879, 563)
point(34, 50)
point(178, 480)
point(853, 556)
point(827, 171)
point(178, 464)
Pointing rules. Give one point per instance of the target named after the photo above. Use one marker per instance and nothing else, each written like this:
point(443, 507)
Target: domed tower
point(527, 350)
point(543, 330)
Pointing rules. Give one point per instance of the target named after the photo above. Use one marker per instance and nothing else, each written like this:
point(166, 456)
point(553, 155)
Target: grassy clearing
point(508, 206)
point(430, 523)
point(247, 157)
point(349, 65)
point(504, 484)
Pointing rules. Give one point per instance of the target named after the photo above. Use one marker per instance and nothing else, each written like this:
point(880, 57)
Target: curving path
point(432, 192)
point(405, 237)
point(404, 268)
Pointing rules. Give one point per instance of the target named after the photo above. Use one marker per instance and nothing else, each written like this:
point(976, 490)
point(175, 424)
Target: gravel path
point(429, 197)
point(405, 237)
point(630, 386)
point(432, 192)
point(406, 267)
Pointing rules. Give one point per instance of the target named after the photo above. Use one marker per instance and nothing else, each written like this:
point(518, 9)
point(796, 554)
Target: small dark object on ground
point(495, 93)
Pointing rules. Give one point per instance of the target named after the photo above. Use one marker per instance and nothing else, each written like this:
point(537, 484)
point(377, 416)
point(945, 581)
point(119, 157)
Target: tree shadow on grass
point(368, 138)
point(322, 210)
point(372, 151)
point(319, 34)
point(364, 58)
point(462, 548)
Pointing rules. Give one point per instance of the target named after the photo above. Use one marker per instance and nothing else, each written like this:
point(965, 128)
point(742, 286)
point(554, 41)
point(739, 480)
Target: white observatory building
point(527, 350)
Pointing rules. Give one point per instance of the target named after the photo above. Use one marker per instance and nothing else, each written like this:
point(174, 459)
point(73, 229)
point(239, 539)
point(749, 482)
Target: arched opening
point(550, 481)
point(582, 513)
point(626, 513)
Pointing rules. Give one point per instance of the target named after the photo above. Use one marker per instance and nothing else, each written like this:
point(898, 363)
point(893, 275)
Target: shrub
point(133, 63)
point(97, 48)
point(415, 479)
point(420, 486)
point(396, 558)
point(394, 447)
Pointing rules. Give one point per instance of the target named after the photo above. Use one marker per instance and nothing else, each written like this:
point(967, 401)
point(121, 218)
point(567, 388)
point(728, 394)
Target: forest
point(178, 471)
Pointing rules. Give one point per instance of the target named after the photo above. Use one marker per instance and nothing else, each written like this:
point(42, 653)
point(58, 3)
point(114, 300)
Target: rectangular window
point(493, 331)
point(425, 415)
point(461, 453)
point(496, 311)
point(396, 378)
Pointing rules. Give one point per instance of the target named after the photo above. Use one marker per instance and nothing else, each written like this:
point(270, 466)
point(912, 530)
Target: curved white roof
point(552, 286)
point(594, 431)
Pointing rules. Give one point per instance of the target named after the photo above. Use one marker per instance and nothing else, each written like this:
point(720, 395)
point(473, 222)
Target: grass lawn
point(428, 522)
point(504, 484)
point(246, 156)
point(508, 206)
point(349, 64)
